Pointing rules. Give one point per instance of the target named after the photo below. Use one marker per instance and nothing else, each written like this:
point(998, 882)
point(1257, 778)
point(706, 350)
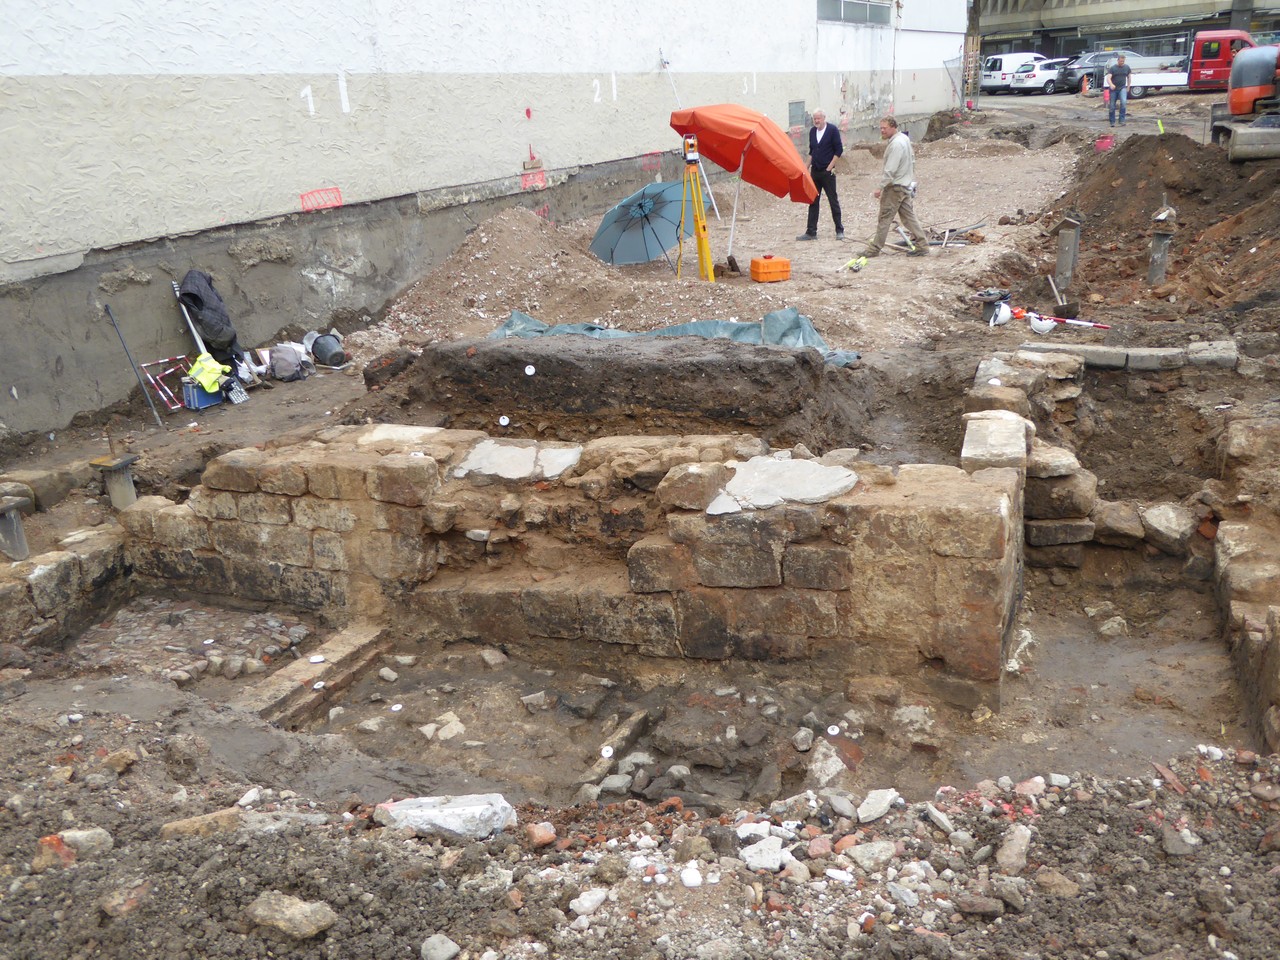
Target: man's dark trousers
point(825, 181)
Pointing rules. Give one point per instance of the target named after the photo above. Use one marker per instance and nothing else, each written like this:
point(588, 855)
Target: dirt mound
point(1228, 223)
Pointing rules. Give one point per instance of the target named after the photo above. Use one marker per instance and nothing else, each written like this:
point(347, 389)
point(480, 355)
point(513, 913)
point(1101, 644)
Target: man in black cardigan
point(824, 147)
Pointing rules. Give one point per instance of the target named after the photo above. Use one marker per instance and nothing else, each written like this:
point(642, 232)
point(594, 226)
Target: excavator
point(1248, 124)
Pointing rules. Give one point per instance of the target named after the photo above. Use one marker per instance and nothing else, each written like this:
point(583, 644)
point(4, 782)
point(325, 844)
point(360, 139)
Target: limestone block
point(1105, 358)
point(993, 443)
point(703, 618)
point(889, 593)
point(804, 521)
point(101, 553)
point(552, 609)
point(1057, 366)
point(263, 508)
point(1007, 416)
point(941, 512)
point(1250, 580)
point(1169, 527)
point(1026, 378)
point(440, 516)
point(692, 486)
point(336, 475)
point(210, 571)
point(48, 487)
point(646, 621)
point(395, 556)
point(817, 566)
point(983, 396)
point(54, 580)
point(314, 513)
point(17, 609)
point(403, 478)
point(282, 474)
point(750, 528)
point(138, 519)
point(484, 610)
point(178, 526)
point(976, 602)
point(1054, 498)
point(237, 470)
point(329, 550)
point(1156, 358)
point(1118, 523)
point(1049, 533)
point(655, 564)
point(783, 610)
point(1215, 353)
point(1062, 555)
point(258, 541)
point(1047, 460)
point(646, 473)
point(1248, 441)
point(296, 586)
point(734, 565)
point(502, 459)
point(209, 504)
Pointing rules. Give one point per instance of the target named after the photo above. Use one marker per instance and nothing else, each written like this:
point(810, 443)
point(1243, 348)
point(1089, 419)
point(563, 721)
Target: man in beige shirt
point(897, 187)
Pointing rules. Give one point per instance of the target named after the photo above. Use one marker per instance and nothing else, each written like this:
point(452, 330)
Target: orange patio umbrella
point(737, 138)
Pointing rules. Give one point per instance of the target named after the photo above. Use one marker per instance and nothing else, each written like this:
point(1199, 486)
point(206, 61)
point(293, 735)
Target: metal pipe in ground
point(137, 373)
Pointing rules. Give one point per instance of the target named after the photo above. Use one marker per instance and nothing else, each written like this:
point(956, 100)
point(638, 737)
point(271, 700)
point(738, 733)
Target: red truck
point(1208, 66)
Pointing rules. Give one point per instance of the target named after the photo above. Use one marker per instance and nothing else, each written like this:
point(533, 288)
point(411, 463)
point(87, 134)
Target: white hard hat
point(1039, 324)
point(1001, 315)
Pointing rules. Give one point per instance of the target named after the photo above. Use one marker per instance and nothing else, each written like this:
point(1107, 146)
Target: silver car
point(1039, 77)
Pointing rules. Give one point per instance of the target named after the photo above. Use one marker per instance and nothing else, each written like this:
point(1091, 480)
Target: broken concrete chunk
point(297, 919)
point(471, 817)
point(876, 805)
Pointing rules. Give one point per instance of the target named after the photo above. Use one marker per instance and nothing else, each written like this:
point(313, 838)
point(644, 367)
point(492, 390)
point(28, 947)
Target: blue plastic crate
point(196, 397)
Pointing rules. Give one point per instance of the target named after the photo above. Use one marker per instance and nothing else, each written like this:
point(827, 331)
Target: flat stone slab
point(994, 443)
point(1107, 358)
point(518, 459)
point(764, 482)
point(396, 433)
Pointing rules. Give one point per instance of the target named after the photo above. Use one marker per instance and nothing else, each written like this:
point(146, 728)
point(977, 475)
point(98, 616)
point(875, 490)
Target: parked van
point(999, 68)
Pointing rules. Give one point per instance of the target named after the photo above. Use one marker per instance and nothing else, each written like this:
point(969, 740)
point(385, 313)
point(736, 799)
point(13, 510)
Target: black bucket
point(328, 352)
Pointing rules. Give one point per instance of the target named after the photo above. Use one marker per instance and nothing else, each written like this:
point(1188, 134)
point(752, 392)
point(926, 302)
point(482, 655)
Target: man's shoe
point(918, 251)
point(807, 236)
point(839, 234)
point(869, 253)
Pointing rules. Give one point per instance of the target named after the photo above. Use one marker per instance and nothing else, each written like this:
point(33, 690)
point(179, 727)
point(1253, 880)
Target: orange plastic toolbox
point(768, 269)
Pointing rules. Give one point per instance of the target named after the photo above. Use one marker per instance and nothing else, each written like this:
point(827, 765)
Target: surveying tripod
point(693, 201)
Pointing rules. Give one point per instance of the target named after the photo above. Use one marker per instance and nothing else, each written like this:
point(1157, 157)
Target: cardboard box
point(196, 397)
point(769, 269)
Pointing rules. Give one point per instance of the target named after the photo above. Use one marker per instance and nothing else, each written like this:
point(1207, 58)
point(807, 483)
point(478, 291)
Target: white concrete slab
point(552, 461)
point(509, 459)
point(764, 482)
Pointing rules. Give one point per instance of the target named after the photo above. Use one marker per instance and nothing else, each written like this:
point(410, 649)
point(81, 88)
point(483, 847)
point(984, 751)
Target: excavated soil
point(1139, 845)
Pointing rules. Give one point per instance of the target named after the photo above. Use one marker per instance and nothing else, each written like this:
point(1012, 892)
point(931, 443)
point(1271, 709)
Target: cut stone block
point(1049, 533)
point(1156, 358)
point(178, 526)
point(993, 443)
point(692, 486)
point(655, 564)
point(263, 508)
point(1062, 555)
point(237, 470)
point(1117, 524)
point(1047, 460)
point(1216, 353)
point(281, 474)
point(403, 478)
point(1106, 358)
point(983, 396)
point(1056, 498)
point(817, 566)
point(1169, 526)
point(1028, 379)
point(257, 541)
point(336, 475)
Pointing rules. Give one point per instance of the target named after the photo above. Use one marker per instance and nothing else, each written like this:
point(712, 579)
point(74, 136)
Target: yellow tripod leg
point(705, 267)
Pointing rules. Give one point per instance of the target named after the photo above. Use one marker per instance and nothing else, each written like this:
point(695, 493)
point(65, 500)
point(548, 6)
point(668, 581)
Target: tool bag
point(210, 315)
point(289, 361)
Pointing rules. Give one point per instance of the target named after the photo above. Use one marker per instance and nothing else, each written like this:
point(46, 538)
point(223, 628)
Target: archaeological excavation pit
point(555, 609)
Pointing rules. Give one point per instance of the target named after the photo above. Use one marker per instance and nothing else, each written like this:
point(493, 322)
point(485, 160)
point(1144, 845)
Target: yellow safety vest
point(208, 372)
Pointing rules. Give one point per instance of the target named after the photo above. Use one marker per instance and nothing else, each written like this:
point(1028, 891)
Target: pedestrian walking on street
point(1117, 82)
point(897, 190)
point(825, 146)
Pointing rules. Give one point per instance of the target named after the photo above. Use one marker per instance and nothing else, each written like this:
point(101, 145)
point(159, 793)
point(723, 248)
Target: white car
point(1039, 77)
point(998, 69)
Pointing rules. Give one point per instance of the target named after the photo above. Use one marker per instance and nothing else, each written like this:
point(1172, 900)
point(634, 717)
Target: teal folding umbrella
point(644, 226)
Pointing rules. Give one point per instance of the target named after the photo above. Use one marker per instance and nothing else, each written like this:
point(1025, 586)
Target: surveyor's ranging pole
point(154, 412)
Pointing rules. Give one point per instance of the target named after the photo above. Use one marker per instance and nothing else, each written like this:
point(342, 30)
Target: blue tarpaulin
point(783, 328)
